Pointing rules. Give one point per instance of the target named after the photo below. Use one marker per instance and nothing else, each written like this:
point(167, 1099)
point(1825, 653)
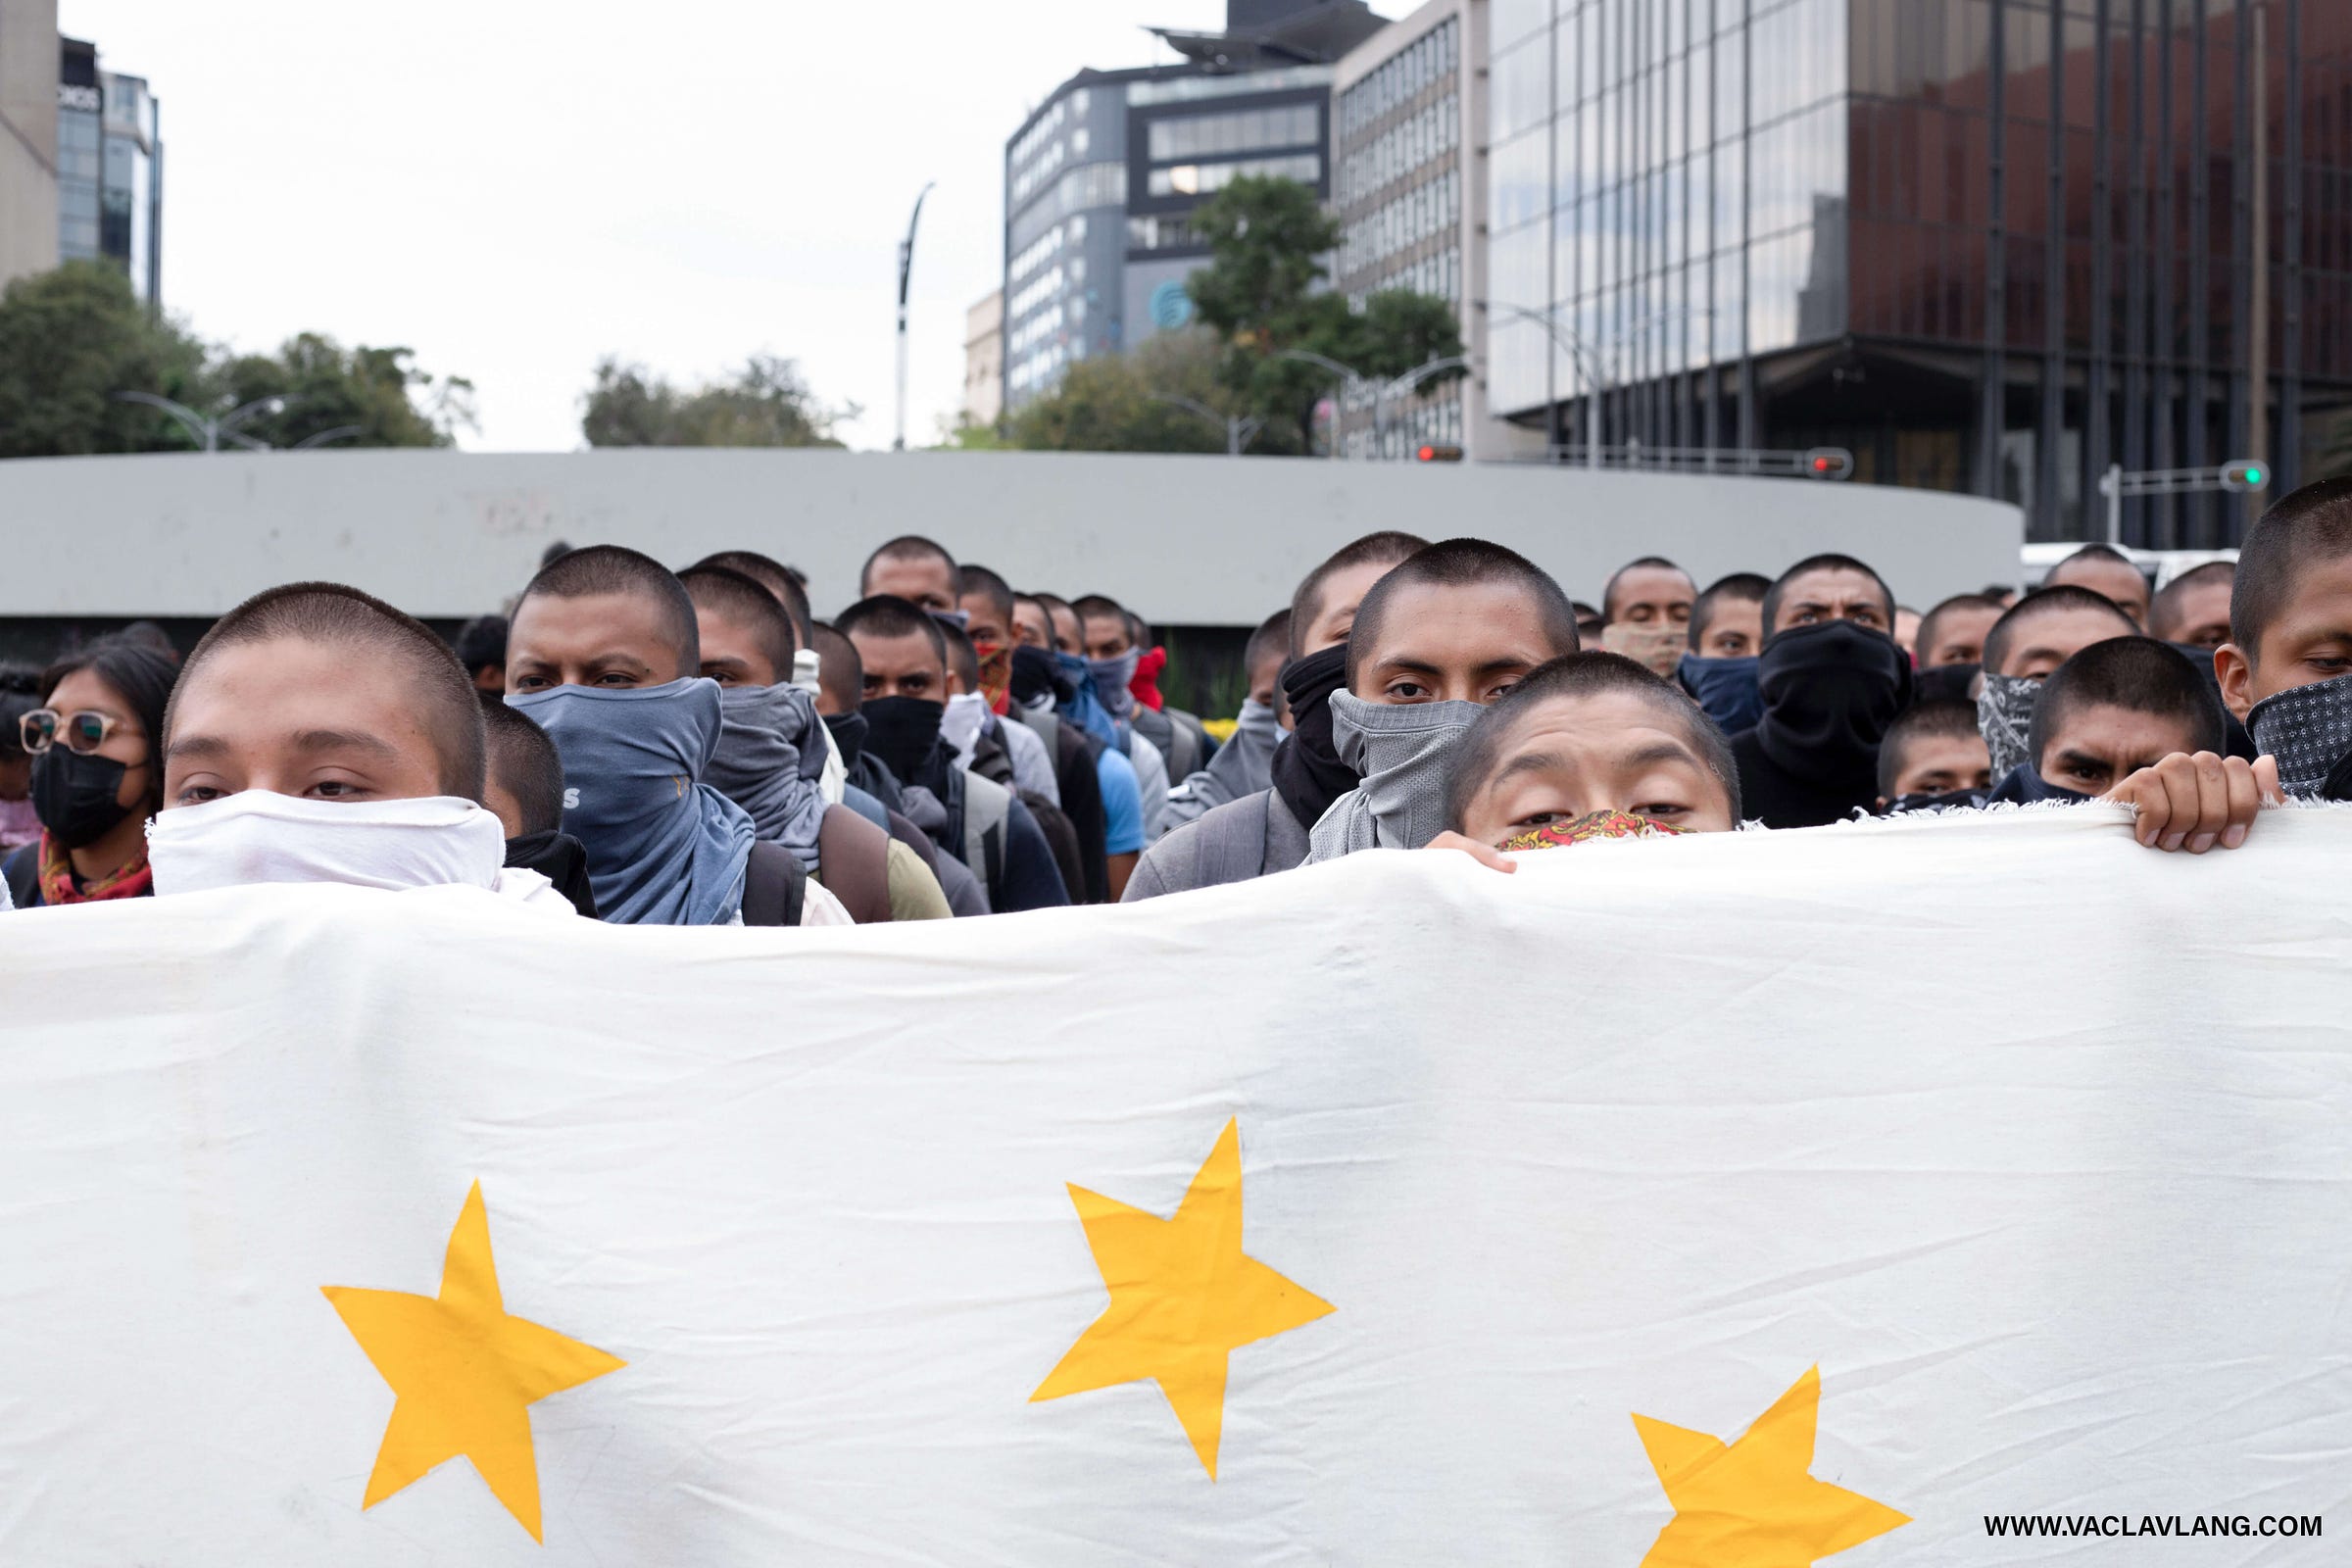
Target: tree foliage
point(1262, 294)
point(74, 338)
point(1128, 402)
point(767, 404)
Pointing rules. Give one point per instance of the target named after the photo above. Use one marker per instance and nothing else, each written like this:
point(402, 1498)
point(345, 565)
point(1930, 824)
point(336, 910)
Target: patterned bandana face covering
point(2004, 715)
point(1592, 825)
point(2308, 730)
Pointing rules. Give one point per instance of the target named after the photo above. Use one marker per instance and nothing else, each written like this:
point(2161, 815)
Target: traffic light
point(1436, 453)
point(2244, 474)
point(1829, 463)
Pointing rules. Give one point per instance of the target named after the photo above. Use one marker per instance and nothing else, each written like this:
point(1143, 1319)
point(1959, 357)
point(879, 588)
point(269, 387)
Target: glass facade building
point(1987, 245)
point(80, 150)
point(1397, 148)
point(1097, 188)
point(110, 194)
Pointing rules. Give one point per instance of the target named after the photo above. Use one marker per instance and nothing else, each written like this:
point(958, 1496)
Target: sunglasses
point(82, 733)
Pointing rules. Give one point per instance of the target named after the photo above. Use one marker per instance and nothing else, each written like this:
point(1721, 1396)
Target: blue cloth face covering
point(1725, 690)
point(663, 848)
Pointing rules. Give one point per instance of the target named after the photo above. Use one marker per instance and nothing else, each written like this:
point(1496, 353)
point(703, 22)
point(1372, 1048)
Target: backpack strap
point(774, 887)
point(986, 808)
point(23, 870)
point(852, 856)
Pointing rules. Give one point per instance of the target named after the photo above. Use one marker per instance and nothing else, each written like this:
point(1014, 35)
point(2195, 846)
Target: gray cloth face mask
point(2004, 717)
point(1404, 756)
point(2308, 730)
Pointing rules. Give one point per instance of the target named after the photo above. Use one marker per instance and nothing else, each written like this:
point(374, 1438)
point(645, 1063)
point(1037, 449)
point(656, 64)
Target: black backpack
point(775, 887)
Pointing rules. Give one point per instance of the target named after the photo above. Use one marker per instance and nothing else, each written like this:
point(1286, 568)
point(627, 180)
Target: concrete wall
point(27, 137)
point(1186, 540)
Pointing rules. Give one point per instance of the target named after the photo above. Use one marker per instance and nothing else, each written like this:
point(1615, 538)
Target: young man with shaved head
point(319, 735)
point(605, 656)
point(1645, 612)
point(1266, 832)
point(1830, 680)
point(2033, 637)
point(2108, 572)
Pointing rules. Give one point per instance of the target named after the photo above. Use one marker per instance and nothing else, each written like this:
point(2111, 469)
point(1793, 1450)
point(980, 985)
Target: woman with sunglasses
point(96, 779)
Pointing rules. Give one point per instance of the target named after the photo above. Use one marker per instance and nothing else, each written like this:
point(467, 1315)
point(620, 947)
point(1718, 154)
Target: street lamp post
point(1586, 363)
point(1348, 377)
point(905, 274)
point(1402, 385)
point(210, 432)
point(1239, 432)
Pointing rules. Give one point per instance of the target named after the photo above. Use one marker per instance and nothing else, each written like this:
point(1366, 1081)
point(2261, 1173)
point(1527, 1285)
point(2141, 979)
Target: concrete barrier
point(1207, 541)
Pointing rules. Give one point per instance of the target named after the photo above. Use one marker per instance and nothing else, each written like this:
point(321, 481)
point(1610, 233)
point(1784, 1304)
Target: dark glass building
point(1987, 245)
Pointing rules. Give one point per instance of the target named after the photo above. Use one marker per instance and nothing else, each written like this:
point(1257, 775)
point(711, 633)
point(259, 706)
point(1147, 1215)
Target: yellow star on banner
point(1753, 1505)
point(463, 1373)
point(1182, 1299)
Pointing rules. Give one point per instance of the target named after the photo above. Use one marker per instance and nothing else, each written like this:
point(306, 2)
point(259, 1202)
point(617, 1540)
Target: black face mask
point(1830, 691)
point(1954, 800)
point(848, 733)
point(561, 858)
point(1035, 676)
point(902, 732)
point(1945, 683)
point(75, 796)
point(1308, 775)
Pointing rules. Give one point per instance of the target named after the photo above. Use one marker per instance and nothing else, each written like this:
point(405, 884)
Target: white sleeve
point(819, 907)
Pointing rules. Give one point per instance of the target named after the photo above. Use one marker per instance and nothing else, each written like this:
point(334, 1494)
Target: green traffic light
point(2253, 475)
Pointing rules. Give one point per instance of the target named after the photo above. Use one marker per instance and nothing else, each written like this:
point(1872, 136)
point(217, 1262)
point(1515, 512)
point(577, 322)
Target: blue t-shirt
point(1122, 804)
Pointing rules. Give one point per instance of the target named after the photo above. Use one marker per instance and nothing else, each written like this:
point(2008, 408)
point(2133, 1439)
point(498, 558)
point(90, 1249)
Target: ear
point(2236, 672)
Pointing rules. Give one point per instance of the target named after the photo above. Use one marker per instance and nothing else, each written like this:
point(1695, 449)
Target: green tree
point(70, 339)
point(1263, 295)
point(765, 405)
point(371, 395)
point(1130, 402)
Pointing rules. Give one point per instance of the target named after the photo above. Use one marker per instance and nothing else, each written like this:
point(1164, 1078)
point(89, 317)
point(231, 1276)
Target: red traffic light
point(1437, 454)
point(1829, 463)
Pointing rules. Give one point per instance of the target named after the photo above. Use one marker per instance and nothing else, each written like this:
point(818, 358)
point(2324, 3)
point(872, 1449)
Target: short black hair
point(2094, 553)
point(2164, 611)
point(769, 574)
point(1592, 674)
point(145, 680)
point(745, 598)
point(1101, 606)
point(1271, 640)
point(149, 635)
point(1930, 622)
point(907, 547)
point(1823, 563)
point(2313, 523)
point(2041, 602)
point(1463, 564)
point(889, 615)
point(617, 569)
point(482, 645)
point(1739, 588)
point(980, 582)
point(1139, 631)
point(839, 669)
point(1050, 603)
point(19, 694)
point(330, 612)
point(524, 762)
point(963, 659)
point(1386, 548)
point(1608, 594)
point(2139, 673)
point(1943, 719)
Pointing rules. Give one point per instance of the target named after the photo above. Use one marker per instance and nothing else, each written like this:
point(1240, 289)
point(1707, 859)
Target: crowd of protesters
point(644, 746)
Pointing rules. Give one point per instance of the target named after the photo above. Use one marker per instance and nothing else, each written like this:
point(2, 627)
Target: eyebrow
point(2082, 761)
point(341, 740)
point(1414, 664)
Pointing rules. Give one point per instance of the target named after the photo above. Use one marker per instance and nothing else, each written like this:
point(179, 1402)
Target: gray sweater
point(1242, 840)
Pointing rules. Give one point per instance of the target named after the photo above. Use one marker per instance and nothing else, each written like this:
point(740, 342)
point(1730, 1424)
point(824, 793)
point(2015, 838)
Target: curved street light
point(208, 433)
point(905, 274)
point(1348, 377)
point(1239, 432)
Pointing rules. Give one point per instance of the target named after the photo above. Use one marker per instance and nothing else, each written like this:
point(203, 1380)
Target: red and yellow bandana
point(1592, 825)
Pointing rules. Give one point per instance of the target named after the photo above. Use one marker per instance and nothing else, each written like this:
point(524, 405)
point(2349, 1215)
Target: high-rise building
point(27, 137)
point(984, 361)
point(1987, 245)
point(109, 168)
point(80, 149)
point(1100, 180)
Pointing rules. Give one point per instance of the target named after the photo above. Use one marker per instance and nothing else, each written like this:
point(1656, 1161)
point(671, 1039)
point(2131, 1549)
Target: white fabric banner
point(1746, 1198)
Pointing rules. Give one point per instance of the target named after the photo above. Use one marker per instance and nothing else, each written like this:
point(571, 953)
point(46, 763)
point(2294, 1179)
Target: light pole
point(2245, 476)
point(1239, 432)
point(1348, 377)
point(209, 432)
point(1404, 384)
point(1587, 363)
point(906, 273)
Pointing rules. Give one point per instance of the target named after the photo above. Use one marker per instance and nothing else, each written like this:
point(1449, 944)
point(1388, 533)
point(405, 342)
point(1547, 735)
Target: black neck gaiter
point(1830, 691)
point(902, 732)
point(1308, 775)
point(561, 858)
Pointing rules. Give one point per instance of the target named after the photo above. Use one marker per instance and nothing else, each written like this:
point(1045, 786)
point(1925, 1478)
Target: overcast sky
point(516, 189)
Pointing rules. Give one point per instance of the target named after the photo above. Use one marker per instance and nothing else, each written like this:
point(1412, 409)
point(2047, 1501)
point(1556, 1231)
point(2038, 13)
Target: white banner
point(1743, 1198)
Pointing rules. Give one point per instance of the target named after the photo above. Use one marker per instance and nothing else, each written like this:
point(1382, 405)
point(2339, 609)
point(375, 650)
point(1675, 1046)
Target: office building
point(1987, 245)
point(109, 168)
point(984, 361)
point(29, 92)
point(1100, 180)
